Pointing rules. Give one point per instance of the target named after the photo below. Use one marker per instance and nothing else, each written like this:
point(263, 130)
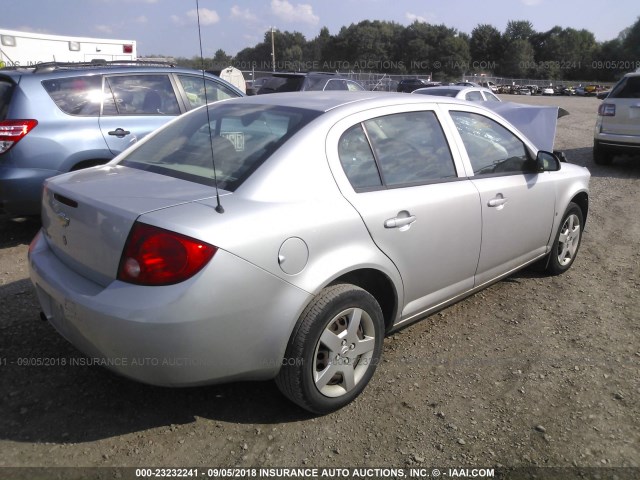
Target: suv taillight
point(12, 131)
point(155, 256)
point(607, 110)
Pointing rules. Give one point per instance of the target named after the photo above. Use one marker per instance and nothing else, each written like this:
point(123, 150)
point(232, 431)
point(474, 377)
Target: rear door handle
point(399, 222)
point(119, 132)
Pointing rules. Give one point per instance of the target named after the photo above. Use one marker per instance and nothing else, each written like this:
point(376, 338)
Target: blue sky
point(169, 26)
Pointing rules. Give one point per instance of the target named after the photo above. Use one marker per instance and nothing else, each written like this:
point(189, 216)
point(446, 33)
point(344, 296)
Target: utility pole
point(273, 51)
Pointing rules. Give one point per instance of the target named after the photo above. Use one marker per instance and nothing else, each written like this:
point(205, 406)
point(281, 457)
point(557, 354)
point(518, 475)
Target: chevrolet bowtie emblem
point(63, 219)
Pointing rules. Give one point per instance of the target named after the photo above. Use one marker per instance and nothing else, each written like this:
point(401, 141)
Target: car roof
point(54, 70)
point(331, 100)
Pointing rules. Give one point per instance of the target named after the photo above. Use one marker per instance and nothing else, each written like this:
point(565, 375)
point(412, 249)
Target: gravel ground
point(533, 371)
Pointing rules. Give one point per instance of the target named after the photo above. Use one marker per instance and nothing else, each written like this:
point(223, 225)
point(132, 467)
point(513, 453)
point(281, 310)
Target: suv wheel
point(601, 156)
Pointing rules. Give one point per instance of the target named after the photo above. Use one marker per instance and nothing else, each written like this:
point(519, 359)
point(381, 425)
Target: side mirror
point(547, 162)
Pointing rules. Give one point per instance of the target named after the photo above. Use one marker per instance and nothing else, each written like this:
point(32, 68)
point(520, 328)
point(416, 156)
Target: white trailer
point(20, 49)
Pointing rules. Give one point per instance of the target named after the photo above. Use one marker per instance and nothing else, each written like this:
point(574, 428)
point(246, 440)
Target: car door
point(135, 105)
point(402, 179)
point(518, 203)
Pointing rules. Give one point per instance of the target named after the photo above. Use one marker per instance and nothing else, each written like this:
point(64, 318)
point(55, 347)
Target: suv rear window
point(76, 95)
point(6, 91)
point(629, 87)
point(282, 84)
point(240, 138)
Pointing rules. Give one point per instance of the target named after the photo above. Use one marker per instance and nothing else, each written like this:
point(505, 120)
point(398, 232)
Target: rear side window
point(396, 150)
point(411, 148)
point(194, 89)
point(628, 87)
point(139, 95)
point(6, 91)
point(76, 95)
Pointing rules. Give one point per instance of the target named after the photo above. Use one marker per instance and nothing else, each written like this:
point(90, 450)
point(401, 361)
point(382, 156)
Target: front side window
point(76, 95)
point(492, 149)
point(237, 139)
point(139, 95)
point(194, 89)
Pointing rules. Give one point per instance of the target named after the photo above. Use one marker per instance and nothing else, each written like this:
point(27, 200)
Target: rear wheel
point(567, 242)
point(334, 349)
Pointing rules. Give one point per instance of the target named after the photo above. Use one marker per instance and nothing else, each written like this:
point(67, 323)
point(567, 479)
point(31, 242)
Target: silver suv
point(618, 124)
point(55, 118)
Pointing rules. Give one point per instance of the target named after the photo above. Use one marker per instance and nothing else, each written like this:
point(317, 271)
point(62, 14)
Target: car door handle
point(497, 201)
point(119, 132)
point(398, 222)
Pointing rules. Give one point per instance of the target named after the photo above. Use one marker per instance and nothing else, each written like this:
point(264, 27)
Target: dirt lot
point(534, 371)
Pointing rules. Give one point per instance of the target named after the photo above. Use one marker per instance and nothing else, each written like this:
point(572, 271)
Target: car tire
point(567, 242)
point(334, 349)
point(601, 156)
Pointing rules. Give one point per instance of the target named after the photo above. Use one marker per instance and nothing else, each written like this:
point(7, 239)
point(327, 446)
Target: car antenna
point(219, 208)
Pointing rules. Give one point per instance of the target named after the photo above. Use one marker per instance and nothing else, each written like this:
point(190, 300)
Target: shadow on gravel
point(623, 166)
point(49, 393)
point(20, 231)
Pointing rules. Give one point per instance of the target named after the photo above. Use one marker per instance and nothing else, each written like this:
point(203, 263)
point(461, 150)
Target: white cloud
point(207, 18)
point(141, 19)
point(294, 13)
point(246, 15)
point(412, 17)
point(426, 18)
point(104, 29)
point(531, 3)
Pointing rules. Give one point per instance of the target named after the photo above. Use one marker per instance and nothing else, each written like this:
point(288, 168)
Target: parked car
point(490, 85)
point(336, 217)
point(408, 85)
point(55, 118)
point(312, 81)
point(473, 94)
point(254, 85)
point(548, 91)
point(618, 124)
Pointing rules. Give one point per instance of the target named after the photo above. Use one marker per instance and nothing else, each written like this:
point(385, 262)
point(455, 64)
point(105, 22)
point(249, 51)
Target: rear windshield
point(6, 91)
point(239, 138)
point(628, 87)
point(439, 92)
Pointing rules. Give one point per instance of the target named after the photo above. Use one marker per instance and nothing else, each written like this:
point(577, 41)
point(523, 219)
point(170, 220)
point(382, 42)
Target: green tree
point(485, 44)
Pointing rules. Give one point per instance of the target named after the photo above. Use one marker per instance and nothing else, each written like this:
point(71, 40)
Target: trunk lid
point(87, 215)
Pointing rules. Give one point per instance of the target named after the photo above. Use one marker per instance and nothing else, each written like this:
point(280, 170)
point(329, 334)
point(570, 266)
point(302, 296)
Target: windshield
point(238, 138)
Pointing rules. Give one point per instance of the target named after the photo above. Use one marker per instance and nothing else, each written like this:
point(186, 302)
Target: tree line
point(441, 52)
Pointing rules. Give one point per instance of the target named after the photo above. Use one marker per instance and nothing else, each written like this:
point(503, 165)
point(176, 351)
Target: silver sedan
point(282, 236)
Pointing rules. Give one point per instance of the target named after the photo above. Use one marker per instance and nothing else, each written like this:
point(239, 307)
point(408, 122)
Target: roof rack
point(98, 63)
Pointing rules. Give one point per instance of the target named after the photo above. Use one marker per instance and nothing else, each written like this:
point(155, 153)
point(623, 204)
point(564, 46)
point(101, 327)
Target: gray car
point(329, 220)
point(55, 118)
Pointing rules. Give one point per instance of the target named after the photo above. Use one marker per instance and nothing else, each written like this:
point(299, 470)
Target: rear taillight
point(155, 256)
point(607, 110)
point(12, 131)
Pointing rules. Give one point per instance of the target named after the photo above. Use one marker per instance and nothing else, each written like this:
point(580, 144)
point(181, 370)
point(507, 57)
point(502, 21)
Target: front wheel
point(567, 242)
point(334, 349)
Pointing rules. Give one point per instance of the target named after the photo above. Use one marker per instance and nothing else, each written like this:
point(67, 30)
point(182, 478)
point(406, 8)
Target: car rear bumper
point(21, 189)
point(229, 322)
point(617, 143)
